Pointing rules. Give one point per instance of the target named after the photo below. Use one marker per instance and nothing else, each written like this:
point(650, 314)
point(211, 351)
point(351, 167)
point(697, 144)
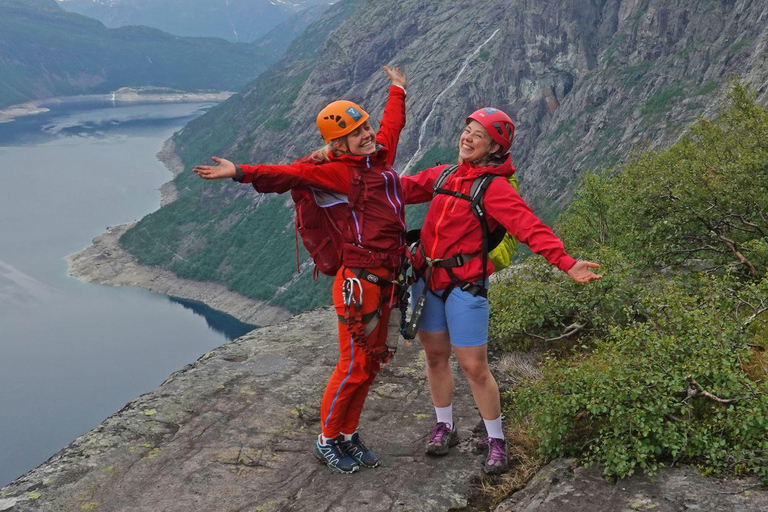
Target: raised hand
point(581, 274)
point(225, 169)
point(396, 76)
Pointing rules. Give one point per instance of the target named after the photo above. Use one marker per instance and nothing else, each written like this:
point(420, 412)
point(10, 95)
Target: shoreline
point(123, 95)
point(105, 262)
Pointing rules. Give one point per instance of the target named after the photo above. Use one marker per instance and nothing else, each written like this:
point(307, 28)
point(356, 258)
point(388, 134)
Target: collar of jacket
point(470, 171)
point(361, 160)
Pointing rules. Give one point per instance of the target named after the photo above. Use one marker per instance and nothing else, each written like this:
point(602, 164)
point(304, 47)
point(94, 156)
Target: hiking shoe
point(497, 460)
point(332, 454)
point(442, 439)
point(358, 451)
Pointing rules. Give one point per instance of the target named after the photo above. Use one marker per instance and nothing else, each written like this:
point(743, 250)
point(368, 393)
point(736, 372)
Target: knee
point(477, 373)
point(437, 359)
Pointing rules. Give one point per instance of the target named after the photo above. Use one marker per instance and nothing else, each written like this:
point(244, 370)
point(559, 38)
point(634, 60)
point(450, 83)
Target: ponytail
point(321, 154)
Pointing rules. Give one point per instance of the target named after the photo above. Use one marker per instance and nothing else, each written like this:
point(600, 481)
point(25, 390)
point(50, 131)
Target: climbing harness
point(361, 325)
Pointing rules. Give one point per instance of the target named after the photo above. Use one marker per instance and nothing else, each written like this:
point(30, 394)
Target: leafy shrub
point(673, 386)
point(663, 360)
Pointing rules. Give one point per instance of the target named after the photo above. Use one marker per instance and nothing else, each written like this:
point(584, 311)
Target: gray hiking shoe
point(497, 460)
point(442, 439)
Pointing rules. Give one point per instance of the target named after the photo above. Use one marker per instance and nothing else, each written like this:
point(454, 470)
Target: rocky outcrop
point(234, 431)
point(561, 486)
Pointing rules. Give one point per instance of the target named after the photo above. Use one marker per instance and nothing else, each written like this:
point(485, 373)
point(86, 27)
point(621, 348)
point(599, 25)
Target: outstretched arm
point(504, 204)
point(393, 120)
point(331, 176)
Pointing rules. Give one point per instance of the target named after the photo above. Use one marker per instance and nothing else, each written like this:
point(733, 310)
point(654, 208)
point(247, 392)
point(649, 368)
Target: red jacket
point(376, 227)
point(450, 228)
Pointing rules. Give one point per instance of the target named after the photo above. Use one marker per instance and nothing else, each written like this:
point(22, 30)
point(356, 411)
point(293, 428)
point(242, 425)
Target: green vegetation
point(664, 359)
point(660, 102)
point(706, 88)
point(738, 45)
point(630, 75)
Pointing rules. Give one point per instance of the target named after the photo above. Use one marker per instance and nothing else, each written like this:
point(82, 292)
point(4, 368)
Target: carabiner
point(348, 291)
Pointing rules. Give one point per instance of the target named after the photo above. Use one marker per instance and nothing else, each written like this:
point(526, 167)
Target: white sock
point(445, 415)
point(348, 437)
point(324, 440)
point(493, 427)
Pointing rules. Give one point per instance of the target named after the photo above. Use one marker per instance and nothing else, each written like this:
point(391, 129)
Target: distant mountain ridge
point(234, 20)
point(46, 51)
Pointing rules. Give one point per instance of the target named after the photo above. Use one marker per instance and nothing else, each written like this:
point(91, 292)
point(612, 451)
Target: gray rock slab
point(561, 487)
point(235, 430)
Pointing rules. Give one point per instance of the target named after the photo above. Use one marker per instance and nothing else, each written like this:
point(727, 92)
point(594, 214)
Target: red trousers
point(354, 373)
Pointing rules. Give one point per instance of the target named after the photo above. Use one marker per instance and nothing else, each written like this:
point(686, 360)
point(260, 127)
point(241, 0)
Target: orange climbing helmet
point(498, 125)
point(340, 118)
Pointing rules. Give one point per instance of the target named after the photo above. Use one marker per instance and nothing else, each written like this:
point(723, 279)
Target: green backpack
point(499, 244)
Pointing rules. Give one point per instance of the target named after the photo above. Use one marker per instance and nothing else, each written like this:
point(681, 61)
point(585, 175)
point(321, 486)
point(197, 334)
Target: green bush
point(664, 359)
point(676, 384)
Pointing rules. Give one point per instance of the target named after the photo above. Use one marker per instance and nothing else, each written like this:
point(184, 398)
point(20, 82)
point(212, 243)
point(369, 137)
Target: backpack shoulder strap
point(444, 175)
point(476, 194)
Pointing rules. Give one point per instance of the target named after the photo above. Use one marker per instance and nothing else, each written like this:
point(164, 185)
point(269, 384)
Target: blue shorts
point(464, 317)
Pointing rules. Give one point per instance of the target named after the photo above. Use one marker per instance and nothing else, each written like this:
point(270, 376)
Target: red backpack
point(321, 218)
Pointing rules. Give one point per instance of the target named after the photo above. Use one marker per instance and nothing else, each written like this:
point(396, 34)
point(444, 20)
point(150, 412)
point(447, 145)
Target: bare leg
point(474, 364)
point(437, 347)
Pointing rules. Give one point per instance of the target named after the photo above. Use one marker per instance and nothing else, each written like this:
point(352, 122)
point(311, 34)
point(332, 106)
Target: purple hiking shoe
point(497, 460)
point(442, 439)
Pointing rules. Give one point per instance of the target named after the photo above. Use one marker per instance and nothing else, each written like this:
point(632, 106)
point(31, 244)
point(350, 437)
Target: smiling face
point(360, 141)
point(475, 143)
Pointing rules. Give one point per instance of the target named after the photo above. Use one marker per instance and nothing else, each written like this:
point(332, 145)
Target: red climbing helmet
point(498, 125)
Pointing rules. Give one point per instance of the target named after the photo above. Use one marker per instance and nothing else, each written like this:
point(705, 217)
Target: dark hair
point(497, 158)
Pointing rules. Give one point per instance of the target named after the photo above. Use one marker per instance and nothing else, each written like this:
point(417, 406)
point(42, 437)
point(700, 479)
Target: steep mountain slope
point(45, 52)
point(235, 20)
point(585, 82)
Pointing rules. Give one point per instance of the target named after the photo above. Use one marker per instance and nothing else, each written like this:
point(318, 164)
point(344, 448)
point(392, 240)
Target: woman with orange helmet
point(452, 259)
point(355, 161)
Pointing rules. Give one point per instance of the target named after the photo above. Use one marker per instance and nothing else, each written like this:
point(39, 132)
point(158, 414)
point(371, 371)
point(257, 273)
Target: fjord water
point(72, 353)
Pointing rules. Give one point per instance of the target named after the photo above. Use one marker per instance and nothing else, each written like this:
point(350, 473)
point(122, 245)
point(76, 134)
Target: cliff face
point(584, 81)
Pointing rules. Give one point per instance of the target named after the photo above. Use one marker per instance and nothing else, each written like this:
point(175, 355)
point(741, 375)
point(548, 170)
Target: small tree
point(704, 197)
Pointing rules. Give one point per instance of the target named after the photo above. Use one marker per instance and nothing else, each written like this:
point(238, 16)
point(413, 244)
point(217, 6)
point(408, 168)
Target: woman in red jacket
point(357, 162)
point(456, 310)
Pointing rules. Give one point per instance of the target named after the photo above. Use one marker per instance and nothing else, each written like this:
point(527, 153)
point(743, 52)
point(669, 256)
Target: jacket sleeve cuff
point(566, 263)
point(400, 87)
point(238, 174)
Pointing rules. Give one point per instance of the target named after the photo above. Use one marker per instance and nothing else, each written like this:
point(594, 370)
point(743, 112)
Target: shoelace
point(359, 443)
point(496, 451)
point(440, 431)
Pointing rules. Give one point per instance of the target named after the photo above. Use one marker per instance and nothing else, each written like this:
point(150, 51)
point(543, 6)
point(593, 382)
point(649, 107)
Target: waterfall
point(423, 128)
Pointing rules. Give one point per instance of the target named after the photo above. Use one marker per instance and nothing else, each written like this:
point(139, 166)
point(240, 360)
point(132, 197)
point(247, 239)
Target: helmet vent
point(337, 119)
